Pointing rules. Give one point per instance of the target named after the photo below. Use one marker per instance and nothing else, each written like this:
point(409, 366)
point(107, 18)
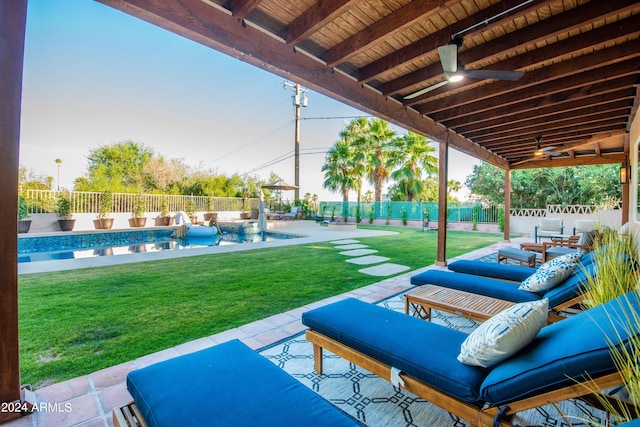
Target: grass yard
point(76, 322)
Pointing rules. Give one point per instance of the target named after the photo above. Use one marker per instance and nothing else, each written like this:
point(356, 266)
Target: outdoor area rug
point(376, 403)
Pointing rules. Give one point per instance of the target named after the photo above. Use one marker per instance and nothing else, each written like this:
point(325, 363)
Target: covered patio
point(575, 102)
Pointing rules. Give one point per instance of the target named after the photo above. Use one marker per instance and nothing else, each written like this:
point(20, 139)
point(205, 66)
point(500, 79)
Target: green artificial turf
point(76, 322)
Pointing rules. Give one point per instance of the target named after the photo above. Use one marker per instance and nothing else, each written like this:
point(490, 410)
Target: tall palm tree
point(355, 130)
point(338, 169)
point(414, 155)
point(374, 150)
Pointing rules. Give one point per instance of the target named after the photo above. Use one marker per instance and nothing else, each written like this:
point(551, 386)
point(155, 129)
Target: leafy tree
point(118, 167)
point(537, 188)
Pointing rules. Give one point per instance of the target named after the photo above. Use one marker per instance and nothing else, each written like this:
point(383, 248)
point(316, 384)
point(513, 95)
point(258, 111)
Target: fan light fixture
point(456, 77)
point(539, 151)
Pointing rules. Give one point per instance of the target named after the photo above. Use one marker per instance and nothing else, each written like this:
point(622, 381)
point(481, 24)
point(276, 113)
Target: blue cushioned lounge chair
point(506, 280)
point(225, 385)
point(547, 370)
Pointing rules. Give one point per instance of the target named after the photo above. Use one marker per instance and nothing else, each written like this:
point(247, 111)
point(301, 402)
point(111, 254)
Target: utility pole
point(299, 100)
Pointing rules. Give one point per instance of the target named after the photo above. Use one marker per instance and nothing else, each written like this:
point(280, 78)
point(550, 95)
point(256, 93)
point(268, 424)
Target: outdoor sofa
point(225, 385)
point(422, 357)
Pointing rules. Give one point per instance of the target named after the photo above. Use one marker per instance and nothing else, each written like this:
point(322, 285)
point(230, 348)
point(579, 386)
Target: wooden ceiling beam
point(394, 23)
point(587, 69)
point(555, 137)
point(430, 43)
point(560, 51)
point(580, 82)
point(241, 8)
point(215, 28)
point(553, 128)
point(618, 108)
point(522, 38)
point(587, 160)
point(508, 117)
point(315, 18)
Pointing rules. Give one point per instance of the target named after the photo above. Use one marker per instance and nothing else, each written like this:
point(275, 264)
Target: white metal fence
point(44, 201)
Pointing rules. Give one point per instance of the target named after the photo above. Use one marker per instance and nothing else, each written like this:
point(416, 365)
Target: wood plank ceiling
point(572, 106)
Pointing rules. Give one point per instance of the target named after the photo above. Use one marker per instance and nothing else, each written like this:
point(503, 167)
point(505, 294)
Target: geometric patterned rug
point(376, 403)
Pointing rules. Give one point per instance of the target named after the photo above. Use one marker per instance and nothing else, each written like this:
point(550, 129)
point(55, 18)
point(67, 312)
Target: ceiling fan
point(455, 71)
point(544, 151)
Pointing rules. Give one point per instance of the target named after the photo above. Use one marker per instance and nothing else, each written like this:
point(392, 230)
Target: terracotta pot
point(103, 223)
point(167, 220)
point(245, 215)
point(24, 226)
point(137, 222)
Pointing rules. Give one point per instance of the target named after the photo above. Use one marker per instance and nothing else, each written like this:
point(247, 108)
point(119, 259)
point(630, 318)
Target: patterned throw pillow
point(548, 275)
point(571, 258)
point(504, 334)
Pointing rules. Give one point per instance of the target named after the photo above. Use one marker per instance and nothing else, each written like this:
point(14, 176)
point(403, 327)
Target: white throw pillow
point(547, 276)
point(504, 334)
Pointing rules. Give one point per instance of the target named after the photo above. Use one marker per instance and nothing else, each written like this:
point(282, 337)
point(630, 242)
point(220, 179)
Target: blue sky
point(94, 76)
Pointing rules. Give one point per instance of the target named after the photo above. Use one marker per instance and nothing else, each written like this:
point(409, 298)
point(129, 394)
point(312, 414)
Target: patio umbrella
point(262, 218)
point(280, 185)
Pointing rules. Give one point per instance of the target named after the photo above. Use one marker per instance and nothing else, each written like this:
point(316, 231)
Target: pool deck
point(88, 400)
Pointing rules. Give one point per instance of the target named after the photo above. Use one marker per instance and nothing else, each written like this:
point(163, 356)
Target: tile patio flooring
point(91, 398)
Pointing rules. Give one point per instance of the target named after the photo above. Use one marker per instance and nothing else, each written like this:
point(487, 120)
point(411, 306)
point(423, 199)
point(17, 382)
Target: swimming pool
point(122, 242)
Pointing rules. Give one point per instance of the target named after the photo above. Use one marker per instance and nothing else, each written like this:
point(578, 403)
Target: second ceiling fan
point(455, 71)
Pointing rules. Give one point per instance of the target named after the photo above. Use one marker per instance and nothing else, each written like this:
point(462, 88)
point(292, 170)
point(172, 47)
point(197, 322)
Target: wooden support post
point(13, 15)
point(507, 204)
point(441, 258)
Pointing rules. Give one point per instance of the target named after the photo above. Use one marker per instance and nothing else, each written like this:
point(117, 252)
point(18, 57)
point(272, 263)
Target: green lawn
point(76, 322)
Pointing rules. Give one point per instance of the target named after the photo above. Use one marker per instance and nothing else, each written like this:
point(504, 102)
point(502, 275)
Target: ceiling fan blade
point(449, 58)
point(426, 89)
point(494, 74)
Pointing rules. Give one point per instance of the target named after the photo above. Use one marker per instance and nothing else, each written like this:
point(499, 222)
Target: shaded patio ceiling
point(580, 60)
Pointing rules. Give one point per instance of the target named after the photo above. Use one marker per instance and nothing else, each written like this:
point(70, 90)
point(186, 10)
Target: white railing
point(44, 201)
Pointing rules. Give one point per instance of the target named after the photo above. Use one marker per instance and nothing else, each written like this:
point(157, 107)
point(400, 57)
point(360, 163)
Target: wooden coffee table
point(427, 297)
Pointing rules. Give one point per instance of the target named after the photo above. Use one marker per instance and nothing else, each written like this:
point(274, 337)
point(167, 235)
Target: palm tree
point(414, 155)
point(355, 130)
point(338, 169)
point(374, 151)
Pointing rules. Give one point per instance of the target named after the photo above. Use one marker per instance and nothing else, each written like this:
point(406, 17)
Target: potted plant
point(191, 211)
point(210, 214)
point(104, 222)
point(137, 220)
point(24, 224)
point(164, 212)
point(64, 208)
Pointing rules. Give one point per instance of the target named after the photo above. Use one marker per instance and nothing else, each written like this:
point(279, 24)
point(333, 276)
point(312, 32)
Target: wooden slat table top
point(472, 306)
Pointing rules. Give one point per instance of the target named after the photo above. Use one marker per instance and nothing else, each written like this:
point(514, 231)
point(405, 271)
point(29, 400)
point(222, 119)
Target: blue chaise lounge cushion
point(494, 288)
point(514, 273)
point(570, 288)
point(423, 350)
point(563, 351)
point(227, 385)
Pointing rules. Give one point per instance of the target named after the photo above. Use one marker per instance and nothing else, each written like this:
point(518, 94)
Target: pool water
point(91, 244)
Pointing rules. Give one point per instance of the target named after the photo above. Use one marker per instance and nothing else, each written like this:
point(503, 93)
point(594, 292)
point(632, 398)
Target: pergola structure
point(575, 103)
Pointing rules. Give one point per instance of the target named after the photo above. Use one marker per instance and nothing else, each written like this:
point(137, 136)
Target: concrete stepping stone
point(359, 252)
point(386, 269)
point(368, 260)
point(344, 242)
point(354, 246)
